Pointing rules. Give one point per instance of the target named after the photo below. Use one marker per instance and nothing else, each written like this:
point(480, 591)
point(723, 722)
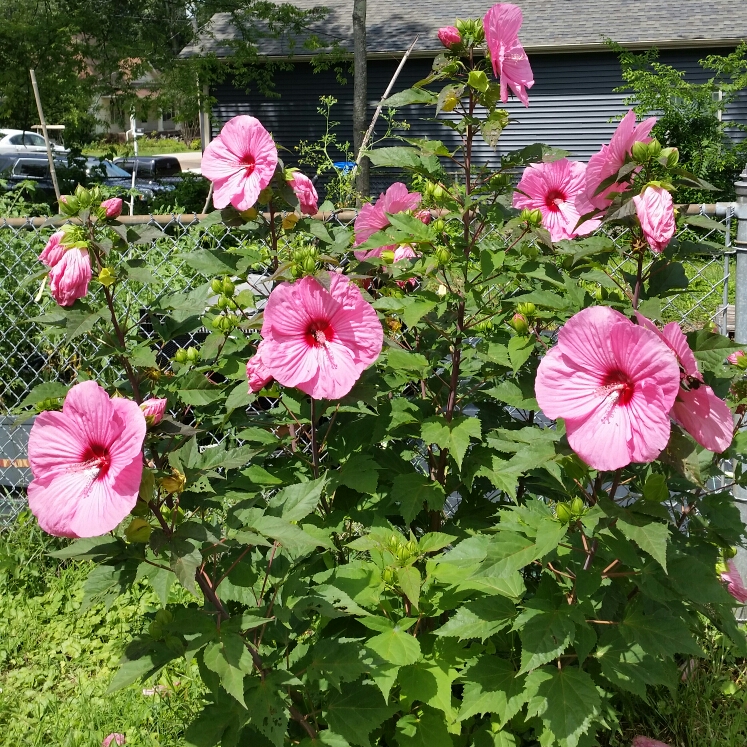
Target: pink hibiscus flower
point(317, 340)
point(53, 251)
point(656, 213)
point(118, 739)
point(113, 207)
point(647, 742)
point(405, 251)
point(610, 158)
point(374, 217)
point(257, 373)
point(70, 276)
point(86, 462)
point(733, 581)
point(153, 409)
point(614, 383)
point(240, 162)
point(449, 36)
point(305, 192)
point(558, 191)
point(510, 63)
point(704, 415)
point(736, 358)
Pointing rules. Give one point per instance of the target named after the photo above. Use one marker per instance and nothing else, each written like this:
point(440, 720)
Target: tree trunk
point(360, 93)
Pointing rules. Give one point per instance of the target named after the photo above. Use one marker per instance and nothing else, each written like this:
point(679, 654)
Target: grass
point(146, 147)
point(56, 660)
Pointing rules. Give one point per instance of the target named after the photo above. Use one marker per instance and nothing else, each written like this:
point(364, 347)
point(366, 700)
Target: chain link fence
point(29, 356)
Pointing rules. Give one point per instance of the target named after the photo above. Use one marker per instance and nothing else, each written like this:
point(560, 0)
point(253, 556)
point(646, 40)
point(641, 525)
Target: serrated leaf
point(454, 435)
point(398, 155)
point(408, 579)
point(659, 633)
point(479, 618)
point(47, 390)
point(434, 541)
point(230, 659)
point(265, 702)
point(429, 683)
point(289, 535)
point(298, 501)
point(492, 685)
point(335, 662)
point(413, 491)
point(565, 699)
point(360, 473)
point(651, 538)
point(356, 712)
point(427, 730)
point(395, 646)
point(409, 96)
point(545, 635)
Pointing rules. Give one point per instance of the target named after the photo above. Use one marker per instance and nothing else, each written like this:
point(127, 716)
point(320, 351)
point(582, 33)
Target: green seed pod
point(672, 156)
point(438, 192)
point(155, 630)
point(563, 512)
point(526, 309)
point(412, 547)
point(388, 576)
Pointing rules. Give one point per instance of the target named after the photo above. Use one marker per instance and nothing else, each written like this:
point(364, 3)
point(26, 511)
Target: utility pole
point(360, 94)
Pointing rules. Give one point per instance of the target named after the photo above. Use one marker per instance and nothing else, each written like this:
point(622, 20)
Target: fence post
point(740, 335)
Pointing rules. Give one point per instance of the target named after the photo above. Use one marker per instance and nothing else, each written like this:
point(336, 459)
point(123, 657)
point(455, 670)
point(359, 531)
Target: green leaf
point(414, 491)
point(360, 473)
point(434, 541)
point(416, 309)
point(211, 262)
point(230, 659)
point(492, 685)
point(47, 390)
point(480, 618)
point(429, 683)
point(655, 489)
point(545, 635)
point(80, 322)
point(492, 127)
point(186, 558)
point(140, 661)
point(454, 436)
point(240, 396)
point(265, 701)
point(197, 390)
point(658, 633)
point(335, 662)
point(565, 699)
point(651, 538)
point(409, 581)
point(298, 501)
point(356, 712)
point(412, 226)
point(409, 96)
point(290, 536)
point(397, 156)
point(395, 646)
point(428, 730)
point(665, 277)
point(519, 350)
point(478, 80)
point(516, 393)
point(325, 738)
point(91, 548)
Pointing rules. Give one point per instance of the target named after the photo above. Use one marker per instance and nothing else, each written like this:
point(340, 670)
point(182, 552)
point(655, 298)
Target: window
point(31, 169)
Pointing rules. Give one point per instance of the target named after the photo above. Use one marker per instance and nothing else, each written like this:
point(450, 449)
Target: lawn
point(146, 147)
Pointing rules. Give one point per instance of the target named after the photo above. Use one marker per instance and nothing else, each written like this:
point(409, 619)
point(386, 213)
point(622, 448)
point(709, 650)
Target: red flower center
point(553, 199)
point(618, 386)
point(319, 333)
point(97, 459)
point(248, 162)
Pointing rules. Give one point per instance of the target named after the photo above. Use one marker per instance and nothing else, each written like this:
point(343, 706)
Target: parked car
point(15, 169)
point(23, 141)
point(152, 167)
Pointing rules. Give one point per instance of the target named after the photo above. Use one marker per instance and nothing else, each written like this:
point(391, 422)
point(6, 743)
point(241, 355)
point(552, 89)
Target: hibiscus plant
point(441, 478)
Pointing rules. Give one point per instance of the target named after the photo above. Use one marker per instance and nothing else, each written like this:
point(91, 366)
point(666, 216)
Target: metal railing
point(29, 355)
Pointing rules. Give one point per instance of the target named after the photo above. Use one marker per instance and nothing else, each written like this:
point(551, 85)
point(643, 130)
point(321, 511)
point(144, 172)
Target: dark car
point(15, 169)
point(150, 167)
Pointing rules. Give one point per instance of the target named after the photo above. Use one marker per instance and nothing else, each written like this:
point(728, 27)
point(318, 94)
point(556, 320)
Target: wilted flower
point(647, 742)
point(733, 581)
point(558, 190)
point(610, 158)
point(614, 383)
point(240, 162)
point(118, 739)
point(655, 211)
point(153, 409)
point(86, 462)
point(704, 415)
point(113, 207)
point(449, 36)
point(374, 217)
point(257, 373)
point(70, 276)
point(510, 63)
point(306, 193)
point(319, 340)
point(53, 251)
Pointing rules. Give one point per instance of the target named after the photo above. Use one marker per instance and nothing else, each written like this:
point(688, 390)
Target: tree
point(360, 92)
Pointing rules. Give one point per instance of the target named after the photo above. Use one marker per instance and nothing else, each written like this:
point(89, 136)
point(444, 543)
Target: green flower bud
point(527, 309)
point(192, 354)
point(155, 630)
point(563, 512)
point(519, 323)
point(672, 155)
point(216, 285)
point(309, 265)
point(412, 547)
point(180, 356)
point(439, 224)
point(388, 576)
point(69, 205)
point(443, 256)
point(217, 323)
point(222, 302)
point(729, 552)
point(641, 153)
point(577, 507)
point(438, 192)
point(228, 287)
point(654, 148)
point(532, 217)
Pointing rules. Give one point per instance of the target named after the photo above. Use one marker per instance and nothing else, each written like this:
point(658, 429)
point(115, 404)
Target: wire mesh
point(29, 356)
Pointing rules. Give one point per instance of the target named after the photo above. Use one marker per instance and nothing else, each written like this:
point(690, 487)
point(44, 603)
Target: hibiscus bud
point(117, 738)
point(69, 205)
point(449, 36)
point(424, 216)
point(138, 530)
point(672, 155)
point(388, 576)
point(174, 483)
point(519, 323)
point(228, 287)
point(654, 148)
point(438, 190)
point(153, 409)
point(107, 277)
point(216, 285)
point(527, 309)
point(180, 356)
point(640, 152)
point(439, 225)
point(443, 256)
point(309, 265)
point(563, 512)
point(113, 207)
point(484, 326)
point(193, 354)
point(532, 217)
point(738, 359)
point(577, 507)
point(83, 196)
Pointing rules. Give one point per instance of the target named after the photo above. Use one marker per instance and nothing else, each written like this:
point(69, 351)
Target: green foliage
point(425, 560)
point(692, 116)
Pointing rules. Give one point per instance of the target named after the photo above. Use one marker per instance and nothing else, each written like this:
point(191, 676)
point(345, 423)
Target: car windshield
point(96, 167)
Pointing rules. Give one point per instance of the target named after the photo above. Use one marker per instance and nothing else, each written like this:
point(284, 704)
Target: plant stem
point(638, 280)
point(314, 444)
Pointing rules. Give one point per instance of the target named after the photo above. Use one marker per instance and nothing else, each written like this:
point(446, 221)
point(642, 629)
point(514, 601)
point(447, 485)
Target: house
point(572, 104)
